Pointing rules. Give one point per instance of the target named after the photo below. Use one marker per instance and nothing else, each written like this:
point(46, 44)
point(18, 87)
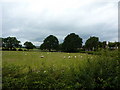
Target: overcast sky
point(33, 20)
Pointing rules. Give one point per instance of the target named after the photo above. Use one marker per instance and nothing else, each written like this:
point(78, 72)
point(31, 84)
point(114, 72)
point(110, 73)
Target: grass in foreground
point(56, 71)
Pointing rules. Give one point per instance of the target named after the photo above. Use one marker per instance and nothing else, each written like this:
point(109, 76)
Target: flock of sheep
point(69, 57)
point(65, 57)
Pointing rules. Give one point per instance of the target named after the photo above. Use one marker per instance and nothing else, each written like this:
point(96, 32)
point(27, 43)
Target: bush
point(14, 49)
point(20, 49)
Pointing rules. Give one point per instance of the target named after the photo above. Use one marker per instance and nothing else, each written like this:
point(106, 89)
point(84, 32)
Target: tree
point(10, 43)
point(60, 47)
point(72, 43)
point(102, 44)
point(92, 43)
point(42, 46)
point(50, 43)
point(29, 45)
point(113, 45)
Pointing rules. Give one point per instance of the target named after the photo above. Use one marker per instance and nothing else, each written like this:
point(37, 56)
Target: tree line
point(71, 43)
point(11, 43)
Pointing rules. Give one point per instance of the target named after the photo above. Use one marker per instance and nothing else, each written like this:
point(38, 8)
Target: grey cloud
point(25, 25)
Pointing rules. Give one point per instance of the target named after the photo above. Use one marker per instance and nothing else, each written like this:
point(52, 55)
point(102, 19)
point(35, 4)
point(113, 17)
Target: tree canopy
point(72, 43)
point(29, 45)
point(102, 44)
point(92, 43)
point(10, 43)
point(50, 43)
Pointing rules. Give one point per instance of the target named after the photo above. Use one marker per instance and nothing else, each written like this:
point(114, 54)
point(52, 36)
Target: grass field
point(22, 69)
point(34, 60)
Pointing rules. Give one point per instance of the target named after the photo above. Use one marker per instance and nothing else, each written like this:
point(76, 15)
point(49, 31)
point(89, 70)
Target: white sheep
point(75, 56)
point(42, 56)
point(69, 57)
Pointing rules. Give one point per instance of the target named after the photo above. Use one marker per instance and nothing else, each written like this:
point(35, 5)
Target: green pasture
point(38, 59)
point(58, 70)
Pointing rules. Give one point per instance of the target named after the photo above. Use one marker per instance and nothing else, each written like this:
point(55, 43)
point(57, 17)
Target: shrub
point(5, 49)
point(20, 49)
point(14, 49)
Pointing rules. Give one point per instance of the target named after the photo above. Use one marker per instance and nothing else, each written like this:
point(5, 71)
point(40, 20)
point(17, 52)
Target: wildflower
point(44, 71)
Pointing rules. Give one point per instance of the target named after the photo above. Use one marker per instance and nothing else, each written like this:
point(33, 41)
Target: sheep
point(69, 57)
point(42, 56)
point(75, 56)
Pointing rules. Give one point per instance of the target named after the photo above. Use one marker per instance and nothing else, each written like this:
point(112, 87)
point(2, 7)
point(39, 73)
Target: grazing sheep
point(69, 57)
point(75, 56)
point(42, 56)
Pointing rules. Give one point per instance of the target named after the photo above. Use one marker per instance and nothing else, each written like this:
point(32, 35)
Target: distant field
point(34, 59)
point(56, 70)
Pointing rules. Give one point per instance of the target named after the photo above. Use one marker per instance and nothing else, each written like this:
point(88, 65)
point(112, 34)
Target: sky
point(34, 20)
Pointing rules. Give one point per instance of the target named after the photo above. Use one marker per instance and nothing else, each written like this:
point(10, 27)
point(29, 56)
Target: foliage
point(20, 49)
point(50, 43)
point(10, 43)
point(102, 44)
point(92, 43)
point(72, 43)
point(29, 45)
point(113, 45)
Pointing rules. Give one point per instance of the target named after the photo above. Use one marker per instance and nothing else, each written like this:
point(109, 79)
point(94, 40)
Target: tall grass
point(54, 72)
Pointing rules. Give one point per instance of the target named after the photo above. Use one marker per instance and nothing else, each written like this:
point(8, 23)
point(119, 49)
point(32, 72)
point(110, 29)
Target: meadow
point(58, 70)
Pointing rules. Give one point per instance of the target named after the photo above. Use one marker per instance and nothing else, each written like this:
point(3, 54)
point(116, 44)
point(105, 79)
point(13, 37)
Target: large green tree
point(50, 43)
point(10, 43)
point(92, 43)
point(29, 45)
point(72, 43)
